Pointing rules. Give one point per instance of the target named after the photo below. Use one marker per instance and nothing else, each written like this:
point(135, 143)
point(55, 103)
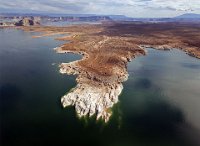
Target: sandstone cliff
point(27, 22)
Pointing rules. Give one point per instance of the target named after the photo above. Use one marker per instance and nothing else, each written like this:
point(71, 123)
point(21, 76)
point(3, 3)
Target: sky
point(131, 8)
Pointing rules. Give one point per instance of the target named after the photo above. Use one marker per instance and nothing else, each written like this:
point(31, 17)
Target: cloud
point(177, 5)
point(135, 8)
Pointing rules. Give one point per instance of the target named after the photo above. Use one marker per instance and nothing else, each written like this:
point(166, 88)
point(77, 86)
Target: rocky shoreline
point(92, 95)
point(106, 50)
point(168, 48)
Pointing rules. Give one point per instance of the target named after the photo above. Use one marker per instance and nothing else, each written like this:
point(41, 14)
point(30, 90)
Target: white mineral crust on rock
point(89, 100)
point(93, 94)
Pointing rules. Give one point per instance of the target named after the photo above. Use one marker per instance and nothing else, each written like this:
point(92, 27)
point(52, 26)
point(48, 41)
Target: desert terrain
point(106, 50)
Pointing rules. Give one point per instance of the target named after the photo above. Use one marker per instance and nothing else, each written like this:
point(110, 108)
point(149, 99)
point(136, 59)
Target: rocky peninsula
point(106, 50)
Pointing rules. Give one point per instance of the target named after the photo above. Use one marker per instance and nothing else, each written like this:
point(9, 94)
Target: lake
point(66, 23)
point(158, 107)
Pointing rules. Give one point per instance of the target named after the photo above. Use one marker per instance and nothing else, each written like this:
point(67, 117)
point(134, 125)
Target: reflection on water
point(191, 65)
point(177, 74)
point(175, 77)
point(159, 105)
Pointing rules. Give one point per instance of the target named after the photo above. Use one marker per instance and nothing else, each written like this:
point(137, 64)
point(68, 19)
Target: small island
point(106, 49)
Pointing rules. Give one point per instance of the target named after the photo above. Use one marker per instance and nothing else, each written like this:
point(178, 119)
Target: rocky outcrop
point(100, 73)
point(27, 22)
point(23, 22)
point(90, 100)
point(7, 24)
point(91, 95)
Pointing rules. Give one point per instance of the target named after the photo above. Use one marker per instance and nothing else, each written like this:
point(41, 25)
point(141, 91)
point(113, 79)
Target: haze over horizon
point(131, 8)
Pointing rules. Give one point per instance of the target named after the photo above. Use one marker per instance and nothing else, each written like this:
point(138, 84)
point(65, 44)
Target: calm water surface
point(67, 23)
point(159, 105)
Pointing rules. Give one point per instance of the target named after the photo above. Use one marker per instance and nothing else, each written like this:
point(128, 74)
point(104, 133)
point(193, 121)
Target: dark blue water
point(159, 105)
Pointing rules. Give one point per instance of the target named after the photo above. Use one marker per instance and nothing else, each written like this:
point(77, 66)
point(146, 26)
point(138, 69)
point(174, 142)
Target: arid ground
point(106, 49)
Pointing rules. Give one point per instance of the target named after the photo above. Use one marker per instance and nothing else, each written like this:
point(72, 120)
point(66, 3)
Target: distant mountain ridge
point(189, 16)
point(186, 15)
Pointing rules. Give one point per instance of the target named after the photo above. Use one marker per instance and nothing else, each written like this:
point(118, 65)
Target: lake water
point(67, 23)
point(158, 107)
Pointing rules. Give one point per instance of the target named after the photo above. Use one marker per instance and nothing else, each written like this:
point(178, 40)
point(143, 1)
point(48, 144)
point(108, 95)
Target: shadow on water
point(143, 83)
point(148, 118)
point(9, 94)
point(191, 65)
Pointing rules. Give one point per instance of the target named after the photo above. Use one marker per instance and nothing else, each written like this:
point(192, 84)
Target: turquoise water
point(158, 107)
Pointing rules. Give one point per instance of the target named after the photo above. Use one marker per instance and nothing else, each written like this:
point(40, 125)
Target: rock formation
point(27, 22)
point(22, 22)
point(92, 95)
